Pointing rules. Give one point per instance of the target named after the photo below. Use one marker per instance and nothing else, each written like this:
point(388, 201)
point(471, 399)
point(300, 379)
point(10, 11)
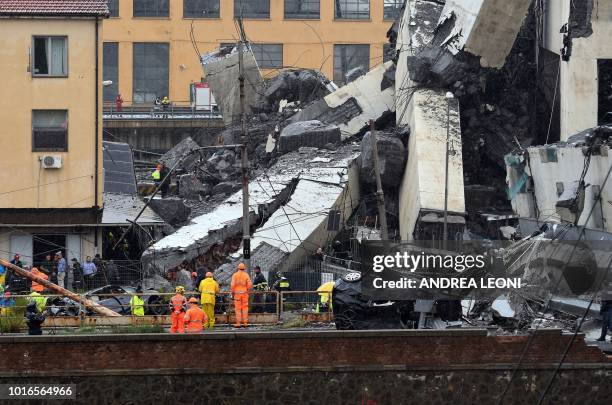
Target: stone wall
point(464, 366)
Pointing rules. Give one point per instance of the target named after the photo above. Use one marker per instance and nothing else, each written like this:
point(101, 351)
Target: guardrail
point(265, 308)
point(176, 110)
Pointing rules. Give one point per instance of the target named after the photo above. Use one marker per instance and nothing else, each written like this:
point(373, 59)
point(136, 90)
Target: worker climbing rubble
point(178, 307)
point(208, 289)
point(240, 287)
point(195, 318)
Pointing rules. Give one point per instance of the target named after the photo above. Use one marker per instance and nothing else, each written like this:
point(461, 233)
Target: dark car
point(114, 297)
point(352, 311)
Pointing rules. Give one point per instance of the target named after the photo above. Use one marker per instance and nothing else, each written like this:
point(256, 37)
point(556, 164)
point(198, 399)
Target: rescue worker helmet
point(193, 300)
point(241, 266)
point(180, 289)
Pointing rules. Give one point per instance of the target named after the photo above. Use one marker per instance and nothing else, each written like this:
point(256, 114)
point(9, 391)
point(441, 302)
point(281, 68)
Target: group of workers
point(187, 316)
point(157, 104)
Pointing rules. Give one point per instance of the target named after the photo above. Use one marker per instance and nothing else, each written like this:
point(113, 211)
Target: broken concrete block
point(224, 188)
point(182, 151)
point(485, 28)
point(391, 159)
point(435, 66)
point(352, 106)
point(307, 133)
point(296, 85)
point(222, 71)
point(192, 188)
point(172, 210)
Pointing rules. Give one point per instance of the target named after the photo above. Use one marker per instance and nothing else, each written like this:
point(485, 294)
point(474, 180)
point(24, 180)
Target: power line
point(547, 307)
point(48, 184)
point(571, 342)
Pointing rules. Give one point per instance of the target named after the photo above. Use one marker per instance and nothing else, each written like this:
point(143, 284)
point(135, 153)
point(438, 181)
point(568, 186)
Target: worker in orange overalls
point(39, 288)
point(195, 318)
point(178, 307)
point(240, 287)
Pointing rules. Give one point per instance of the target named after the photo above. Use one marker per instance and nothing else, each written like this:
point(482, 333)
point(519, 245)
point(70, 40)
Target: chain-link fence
point(82, 277)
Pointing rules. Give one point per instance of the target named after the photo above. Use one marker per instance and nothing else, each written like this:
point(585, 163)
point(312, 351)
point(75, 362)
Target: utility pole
point(449, 97)
point(244, 159)
point(380, 195)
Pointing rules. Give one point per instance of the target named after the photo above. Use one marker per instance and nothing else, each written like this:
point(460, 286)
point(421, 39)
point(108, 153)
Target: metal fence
point(110, 272)
point(266, 308)
point(310, 273)
point(176, 110)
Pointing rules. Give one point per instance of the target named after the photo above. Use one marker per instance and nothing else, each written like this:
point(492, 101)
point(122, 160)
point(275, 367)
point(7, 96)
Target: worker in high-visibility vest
point(240, 287)
point(178, 307)
point(38, 300)
point(209, 288)
point(195, 318)
point(156, 175)
point(137, 303)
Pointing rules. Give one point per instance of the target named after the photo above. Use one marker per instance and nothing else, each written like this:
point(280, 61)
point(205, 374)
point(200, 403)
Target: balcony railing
point(177, 110)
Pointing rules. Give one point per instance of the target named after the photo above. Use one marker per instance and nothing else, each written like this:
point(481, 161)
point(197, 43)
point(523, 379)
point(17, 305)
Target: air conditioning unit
point(51, 162)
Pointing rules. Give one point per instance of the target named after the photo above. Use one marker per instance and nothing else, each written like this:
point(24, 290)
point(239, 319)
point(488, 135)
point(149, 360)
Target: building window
point(110, 71)
point(49, 130)
point(201, 9)
point(302, 9)
point(392, 9)
point(113, 7)
point(350, 59)
point(151, 8)
point(268, 56)
point(150, 75)
point(352, 9)
point(252, 8)
point(50, 56)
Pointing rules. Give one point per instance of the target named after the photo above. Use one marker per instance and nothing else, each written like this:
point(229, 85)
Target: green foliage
point(297, 322)
point(12, 319)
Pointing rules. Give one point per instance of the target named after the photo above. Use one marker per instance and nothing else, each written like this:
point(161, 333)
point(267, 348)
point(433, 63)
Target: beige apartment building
point(51, 185)
point(152, 47)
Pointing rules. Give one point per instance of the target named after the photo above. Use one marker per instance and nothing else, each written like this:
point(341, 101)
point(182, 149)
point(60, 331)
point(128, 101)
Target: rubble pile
point(497, 105)
point(184, 153)
point(192, 188)
point(309, 181)
point(296, 85)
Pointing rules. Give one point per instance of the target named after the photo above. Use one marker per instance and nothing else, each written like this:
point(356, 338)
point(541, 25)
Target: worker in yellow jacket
point(209, 288)
point(137, 303)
